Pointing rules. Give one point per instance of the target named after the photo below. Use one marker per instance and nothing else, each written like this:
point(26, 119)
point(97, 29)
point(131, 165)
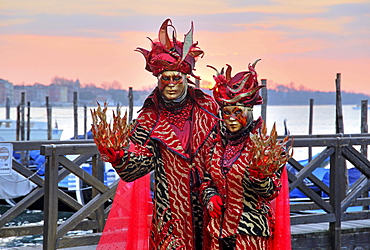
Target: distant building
point(58, 95)
point(37, 94)
point(72, 87)
point(18, 90)
point(6, 91)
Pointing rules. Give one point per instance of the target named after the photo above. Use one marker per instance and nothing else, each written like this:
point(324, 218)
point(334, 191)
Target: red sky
point(300, 42)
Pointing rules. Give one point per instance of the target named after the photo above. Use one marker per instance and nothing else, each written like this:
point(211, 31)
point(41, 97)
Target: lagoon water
point(297, 118)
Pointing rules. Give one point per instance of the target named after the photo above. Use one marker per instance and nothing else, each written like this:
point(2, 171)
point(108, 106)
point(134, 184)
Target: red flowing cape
point(129, 220)
point(281, 205)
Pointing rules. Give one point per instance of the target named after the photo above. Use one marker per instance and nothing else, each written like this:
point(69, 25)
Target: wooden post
point(338, 107)
point(18, 122)
point(85, 122)
point(75, 114)
point(340, 130)
point(286, 130)
point(264, 96)
point(98, 173)
point(51, 201)
point(130, 104)
point(7, 112)
point(336, 193)
point(48, 116)
point(310, 126)
point(26, 153)
point(364, 129)
point(118, 107)
point(197, 83)
point(338, 173)
point(28, 137)
point(23, 101)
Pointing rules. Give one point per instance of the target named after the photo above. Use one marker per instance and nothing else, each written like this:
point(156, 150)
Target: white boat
point(38, 131)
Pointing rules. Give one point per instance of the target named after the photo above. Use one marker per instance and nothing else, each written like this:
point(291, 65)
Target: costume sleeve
point(137, 163)
point(267, 187)
point(208, 188)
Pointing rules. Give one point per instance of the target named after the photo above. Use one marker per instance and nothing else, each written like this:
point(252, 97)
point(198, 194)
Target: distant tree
point(88, 85)
point(65, 82)
point(111, 85)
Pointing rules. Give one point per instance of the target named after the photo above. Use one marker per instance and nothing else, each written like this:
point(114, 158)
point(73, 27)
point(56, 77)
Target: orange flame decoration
point(267, 154)
point(106, 134)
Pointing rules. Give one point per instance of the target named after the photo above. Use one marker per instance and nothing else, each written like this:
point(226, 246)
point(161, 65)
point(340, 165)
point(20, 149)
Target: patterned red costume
point(247, 219)
point(159, 149)
point(170, 135)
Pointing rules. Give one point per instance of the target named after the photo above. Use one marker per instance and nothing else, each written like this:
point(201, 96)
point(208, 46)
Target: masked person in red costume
point(246, 168)
point(170, 133)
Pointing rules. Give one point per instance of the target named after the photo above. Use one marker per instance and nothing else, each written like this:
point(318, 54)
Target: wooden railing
point(57, 167)
point(341, 150)
point(91, 216)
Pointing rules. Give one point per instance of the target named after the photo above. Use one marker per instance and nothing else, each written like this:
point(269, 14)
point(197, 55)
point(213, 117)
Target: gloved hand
point(253, 173)
point(214, 206)
point(111, 155)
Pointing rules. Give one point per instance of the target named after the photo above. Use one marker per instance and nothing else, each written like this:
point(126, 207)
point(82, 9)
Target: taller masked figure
point(170, 134)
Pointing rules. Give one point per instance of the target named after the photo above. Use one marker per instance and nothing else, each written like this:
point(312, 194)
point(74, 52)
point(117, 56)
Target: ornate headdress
point(242, 89)
point(167, 54)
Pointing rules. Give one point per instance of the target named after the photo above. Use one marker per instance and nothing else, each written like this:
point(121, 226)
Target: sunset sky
point(304, 43)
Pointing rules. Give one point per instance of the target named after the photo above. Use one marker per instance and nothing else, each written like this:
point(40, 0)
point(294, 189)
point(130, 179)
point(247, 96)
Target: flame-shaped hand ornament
point(106, 134)
point(267, 154)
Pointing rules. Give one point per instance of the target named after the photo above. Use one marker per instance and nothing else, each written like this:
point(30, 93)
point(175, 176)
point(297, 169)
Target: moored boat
point(38, 130)
point(358, 107)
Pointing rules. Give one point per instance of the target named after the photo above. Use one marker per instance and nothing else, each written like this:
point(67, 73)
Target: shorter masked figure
point(245, 166)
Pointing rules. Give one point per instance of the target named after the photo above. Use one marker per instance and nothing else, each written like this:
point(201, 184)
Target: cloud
point(305, 42)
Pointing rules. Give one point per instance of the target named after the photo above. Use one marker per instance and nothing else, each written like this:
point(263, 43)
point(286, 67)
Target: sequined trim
point(177, 117)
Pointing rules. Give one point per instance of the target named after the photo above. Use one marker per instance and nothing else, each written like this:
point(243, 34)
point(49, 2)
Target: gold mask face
point(235, 117)
point(171, 84)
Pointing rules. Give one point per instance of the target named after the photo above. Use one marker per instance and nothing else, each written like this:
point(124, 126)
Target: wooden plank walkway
point(39, 247)
point(320, 227)
point(354, 235)
point(312, 232)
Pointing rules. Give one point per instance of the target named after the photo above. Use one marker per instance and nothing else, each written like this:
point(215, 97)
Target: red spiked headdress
point(167, 54)
point(242, 89)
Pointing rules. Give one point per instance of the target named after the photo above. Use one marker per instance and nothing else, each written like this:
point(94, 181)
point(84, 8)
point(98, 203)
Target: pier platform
point(39, 247)
point(355, 235)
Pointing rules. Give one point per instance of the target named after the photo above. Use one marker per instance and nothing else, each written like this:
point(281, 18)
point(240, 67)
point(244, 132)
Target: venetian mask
point(235, 117)
point(171, 84)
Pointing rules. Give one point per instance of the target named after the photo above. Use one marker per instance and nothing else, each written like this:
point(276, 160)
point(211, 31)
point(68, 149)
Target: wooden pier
point(316, 222)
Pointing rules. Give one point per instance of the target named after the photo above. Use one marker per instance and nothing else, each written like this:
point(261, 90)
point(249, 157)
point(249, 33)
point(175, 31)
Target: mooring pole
point(310, 128)
point(264, 96)
point(48, 115)
point(7, 114)
point(23, 103)
point(75, 114)
point(364, 129)
point(130, 104)
point(85, 122)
